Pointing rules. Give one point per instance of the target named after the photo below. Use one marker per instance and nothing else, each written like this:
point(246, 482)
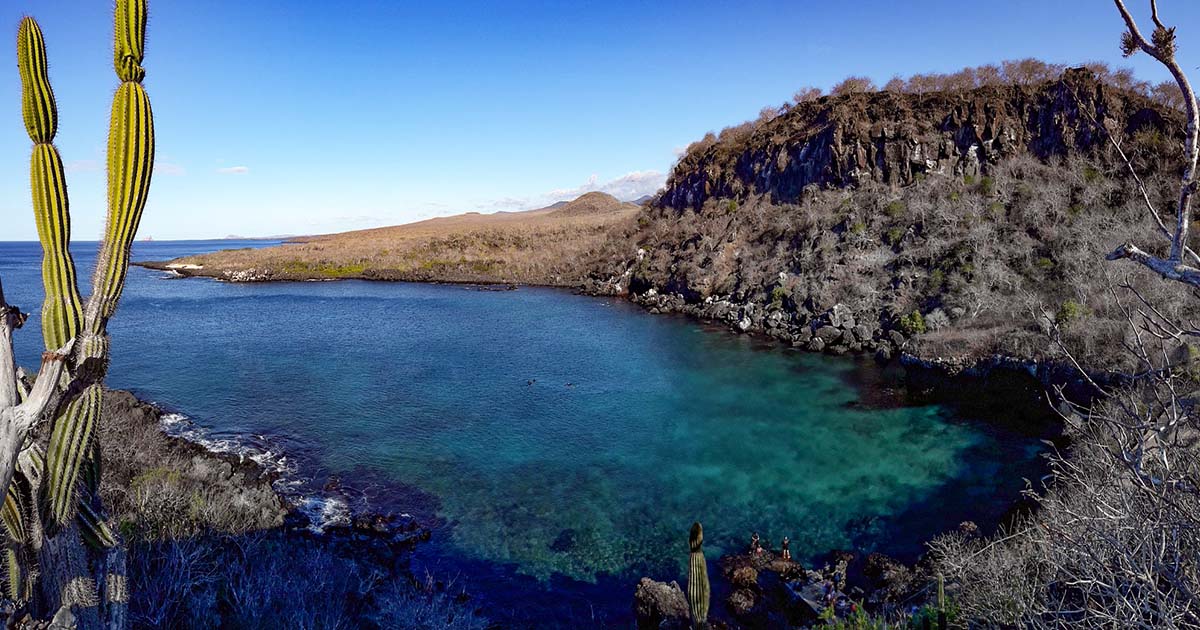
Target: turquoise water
point(560, 444)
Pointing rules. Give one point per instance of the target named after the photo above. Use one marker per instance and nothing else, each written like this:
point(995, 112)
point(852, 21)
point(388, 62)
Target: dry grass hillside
point(548, 246)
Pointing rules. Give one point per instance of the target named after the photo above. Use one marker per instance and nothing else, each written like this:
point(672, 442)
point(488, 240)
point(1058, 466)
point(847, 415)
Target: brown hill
point(592, 204)
point(547, 246)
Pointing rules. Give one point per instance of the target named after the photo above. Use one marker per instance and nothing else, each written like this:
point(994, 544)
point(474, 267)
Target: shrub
point(1069, 311)
point(987, 186)
point(894, 235)
point(937, 280)
point(913, 323)
point(777, 296)
point(895, 209)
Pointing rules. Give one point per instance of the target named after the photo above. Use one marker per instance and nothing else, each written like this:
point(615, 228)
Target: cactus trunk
point(697, 591)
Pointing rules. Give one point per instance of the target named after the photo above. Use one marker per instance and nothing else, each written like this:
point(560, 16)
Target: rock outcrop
point(660, 605)
point(893, 138)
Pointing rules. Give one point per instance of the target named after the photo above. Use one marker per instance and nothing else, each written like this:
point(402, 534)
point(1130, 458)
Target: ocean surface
point(559, 445)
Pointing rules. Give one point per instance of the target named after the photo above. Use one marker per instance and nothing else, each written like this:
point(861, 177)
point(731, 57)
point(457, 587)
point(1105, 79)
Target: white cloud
point(626, 188)
point(234, 170)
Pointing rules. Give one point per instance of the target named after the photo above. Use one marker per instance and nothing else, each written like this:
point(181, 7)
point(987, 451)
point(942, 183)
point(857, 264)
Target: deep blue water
point(561, 444)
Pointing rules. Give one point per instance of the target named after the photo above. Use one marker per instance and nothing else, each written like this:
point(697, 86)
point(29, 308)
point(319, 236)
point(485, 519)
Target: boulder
point(660, 605)
point(897, 338)
point(741, 602)
point(745, 577)
point(840, 316)
point(828, 334)
point(816, 344)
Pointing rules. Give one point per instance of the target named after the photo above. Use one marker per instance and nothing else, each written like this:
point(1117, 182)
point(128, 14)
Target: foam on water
point(321, 510)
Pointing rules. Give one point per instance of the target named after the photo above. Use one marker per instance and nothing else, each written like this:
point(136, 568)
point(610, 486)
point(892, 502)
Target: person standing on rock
point(784, 551)
point(755, 545)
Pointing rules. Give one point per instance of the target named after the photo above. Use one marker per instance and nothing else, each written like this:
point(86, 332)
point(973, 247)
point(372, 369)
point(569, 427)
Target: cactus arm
point(62, 309)
point(698, 590)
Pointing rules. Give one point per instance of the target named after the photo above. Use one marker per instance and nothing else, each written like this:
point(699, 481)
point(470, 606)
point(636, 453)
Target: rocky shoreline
point(239, 495)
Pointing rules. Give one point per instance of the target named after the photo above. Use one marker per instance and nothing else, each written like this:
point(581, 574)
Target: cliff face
point(947, 224)
point(895, 138)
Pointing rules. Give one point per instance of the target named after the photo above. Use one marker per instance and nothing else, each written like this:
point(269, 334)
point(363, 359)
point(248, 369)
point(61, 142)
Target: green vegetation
point(895, 209)
point(322, 269)
point(1070, 311)
point(987, 186)
point(778, 294)
point(913, 323)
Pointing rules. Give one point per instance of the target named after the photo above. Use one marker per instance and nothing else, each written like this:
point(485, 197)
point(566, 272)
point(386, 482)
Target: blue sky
point(297, 116)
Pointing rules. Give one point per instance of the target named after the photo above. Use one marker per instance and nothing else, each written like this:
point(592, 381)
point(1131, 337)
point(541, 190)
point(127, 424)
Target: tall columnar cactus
point(130, 165)
point(50, 503)
point(697, 591)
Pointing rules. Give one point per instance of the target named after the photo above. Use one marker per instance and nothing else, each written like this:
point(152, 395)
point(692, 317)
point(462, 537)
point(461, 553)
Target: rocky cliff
point(895, 138)
point(951, 225)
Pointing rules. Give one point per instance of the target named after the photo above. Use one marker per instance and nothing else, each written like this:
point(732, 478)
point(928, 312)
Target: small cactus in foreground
point(697, 591)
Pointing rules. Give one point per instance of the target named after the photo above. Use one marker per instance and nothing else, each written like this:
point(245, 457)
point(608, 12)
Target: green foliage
point(996, 209)
point(937, 280)
point(697, 591)
point(913, 323)
point(895, 209)
point(1070, 311)
point(1090, 174)
point(856, 620)
point(894, 235)
point(987, 186)
point(1044, 263)
point(858, 227)
point(731, 206)
point(323, 269)
point(778, 294)
point(969, 180)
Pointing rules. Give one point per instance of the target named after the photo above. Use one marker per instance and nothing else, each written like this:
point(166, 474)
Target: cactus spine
point(697, 591)
point(130, 166)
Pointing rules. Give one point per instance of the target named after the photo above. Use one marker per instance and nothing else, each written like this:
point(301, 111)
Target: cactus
point(941, 602)
point(50, 504)
point(697, 591)
point(130, 166)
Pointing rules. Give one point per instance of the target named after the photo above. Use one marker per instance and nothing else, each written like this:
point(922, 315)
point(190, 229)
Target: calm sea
point(561, 445)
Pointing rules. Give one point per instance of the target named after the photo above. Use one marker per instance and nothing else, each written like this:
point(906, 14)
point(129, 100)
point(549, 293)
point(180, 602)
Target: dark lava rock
point(741, 602)
point(828, 334)
point(658, 605)
point(745, 577)
point(564, 542)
